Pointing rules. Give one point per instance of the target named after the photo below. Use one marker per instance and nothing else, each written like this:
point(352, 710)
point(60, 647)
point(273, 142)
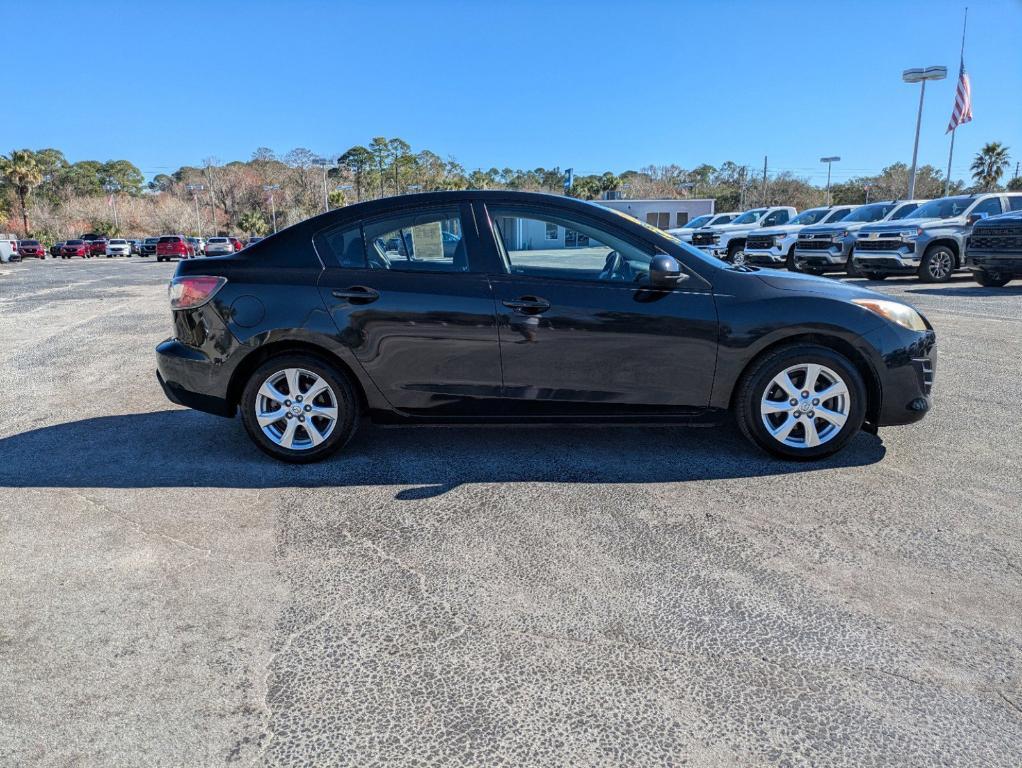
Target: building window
point(682, 218)
point(551, 231)
point(659, 219)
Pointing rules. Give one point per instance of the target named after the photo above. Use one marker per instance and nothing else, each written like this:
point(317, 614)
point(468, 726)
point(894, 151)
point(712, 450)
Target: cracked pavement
point(477, 596)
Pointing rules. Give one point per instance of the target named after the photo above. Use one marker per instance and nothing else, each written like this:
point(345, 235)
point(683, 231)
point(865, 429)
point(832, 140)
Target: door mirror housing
point(665, 271)
point(974, 217)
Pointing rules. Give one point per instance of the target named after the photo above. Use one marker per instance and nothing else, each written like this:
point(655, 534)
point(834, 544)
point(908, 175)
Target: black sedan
point(513, 307)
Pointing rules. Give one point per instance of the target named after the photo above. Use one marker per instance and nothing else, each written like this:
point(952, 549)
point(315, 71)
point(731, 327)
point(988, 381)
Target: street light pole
point(920, 76)
point(829, 161)
point(273, 208)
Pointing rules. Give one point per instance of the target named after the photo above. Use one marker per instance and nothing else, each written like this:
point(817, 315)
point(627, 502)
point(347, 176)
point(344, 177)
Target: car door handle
point(528, 305)
point(357, 294)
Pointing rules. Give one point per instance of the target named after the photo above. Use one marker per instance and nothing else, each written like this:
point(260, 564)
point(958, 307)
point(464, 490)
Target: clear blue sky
point(595, 85)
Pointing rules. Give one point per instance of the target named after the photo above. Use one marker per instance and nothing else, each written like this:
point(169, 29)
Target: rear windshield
point(30, 242)
point(170, 239)
point(118, 242)
point(217, 240)
point(151, 240)
point(76, 242)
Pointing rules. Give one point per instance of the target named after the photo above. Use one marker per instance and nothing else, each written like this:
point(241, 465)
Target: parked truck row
point(926, 238)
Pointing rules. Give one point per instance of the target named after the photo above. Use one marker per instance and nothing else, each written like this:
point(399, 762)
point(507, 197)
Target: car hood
point(780, 229)
point(897, 226)
point(730, 228)
point(825, 229)
point(811, 284)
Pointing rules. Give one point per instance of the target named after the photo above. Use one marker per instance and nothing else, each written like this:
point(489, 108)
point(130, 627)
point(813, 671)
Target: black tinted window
point(169, 239)
point(344, 243)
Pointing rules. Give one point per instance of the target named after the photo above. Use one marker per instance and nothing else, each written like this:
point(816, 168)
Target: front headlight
point(841, 235)
point(896, 312)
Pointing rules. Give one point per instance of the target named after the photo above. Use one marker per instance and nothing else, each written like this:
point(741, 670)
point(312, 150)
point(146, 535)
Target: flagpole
point(961, 66)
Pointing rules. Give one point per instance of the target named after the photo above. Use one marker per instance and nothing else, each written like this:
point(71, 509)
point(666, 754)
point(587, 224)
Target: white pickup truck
point(706, 220)
point(726, 240)
point(775, 246)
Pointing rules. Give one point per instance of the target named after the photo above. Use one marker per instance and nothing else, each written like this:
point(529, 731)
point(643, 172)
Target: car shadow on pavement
point(970, 290)
point(180, 448)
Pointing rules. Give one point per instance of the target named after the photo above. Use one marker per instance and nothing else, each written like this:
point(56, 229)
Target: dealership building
point(664, 214)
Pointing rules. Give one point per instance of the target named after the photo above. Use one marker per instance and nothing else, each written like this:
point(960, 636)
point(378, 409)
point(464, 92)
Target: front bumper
point(906, 374)
point(191, 379)
point(994, 261)
point(833, 257)
point(770, 257)
point(896, 262)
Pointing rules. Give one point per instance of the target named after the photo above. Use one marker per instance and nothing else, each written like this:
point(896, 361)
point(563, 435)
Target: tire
point(991, 279)
point(758, 385)
point(874, 275)
point(851, 270)
point(789, 261)
point(339, 392)
point(732, 249)
point(938, 264)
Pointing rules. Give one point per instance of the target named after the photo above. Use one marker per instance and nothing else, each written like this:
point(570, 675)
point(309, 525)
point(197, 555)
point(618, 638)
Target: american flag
point(962, 113)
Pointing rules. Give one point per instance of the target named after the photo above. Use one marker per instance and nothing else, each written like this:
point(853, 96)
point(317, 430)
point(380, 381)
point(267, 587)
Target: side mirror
point(974, 217)
point(665, 271)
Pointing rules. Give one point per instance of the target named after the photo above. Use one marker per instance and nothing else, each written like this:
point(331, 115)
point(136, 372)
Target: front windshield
point(698, 221)
point(724, 218)
point(750, 217)
point(944, 208)
point(838, 214)
point(871, 212)
point(811, 216)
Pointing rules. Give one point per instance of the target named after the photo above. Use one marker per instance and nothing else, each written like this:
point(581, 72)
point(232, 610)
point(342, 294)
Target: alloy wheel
point(805, 405)
point(940, 265)
point(296, 409)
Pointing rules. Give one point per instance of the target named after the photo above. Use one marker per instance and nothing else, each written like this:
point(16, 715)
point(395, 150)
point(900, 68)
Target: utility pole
point(195, 189)
point(273, 208)
point(764, 179)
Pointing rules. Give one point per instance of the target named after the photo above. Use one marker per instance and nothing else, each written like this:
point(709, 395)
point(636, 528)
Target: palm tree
point(989, 165)
point(22, 170)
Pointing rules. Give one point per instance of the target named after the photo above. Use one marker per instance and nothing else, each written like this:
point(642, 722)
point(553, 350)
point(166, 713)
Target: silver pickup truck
point(930, 242)
point(775, 246)
point(828, 247)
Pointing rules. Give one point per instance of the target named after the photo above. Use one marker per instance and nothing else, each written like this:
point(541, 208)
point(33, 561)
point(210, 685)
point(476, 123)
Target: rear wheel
point(991, 279)
point(801, 402)
point(298, 408)
point(938, 264)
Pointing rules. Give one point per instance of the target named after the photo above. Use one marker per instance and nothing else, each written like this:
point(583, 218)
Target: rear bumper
point(189, 378)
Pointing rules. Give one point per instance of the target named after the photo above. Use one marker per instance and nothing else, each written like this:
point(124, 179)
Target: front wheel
point(801, 402)
point(938, 264)
point(874, 275)
point(789, 261)
point(298, 408)
point(991, 279)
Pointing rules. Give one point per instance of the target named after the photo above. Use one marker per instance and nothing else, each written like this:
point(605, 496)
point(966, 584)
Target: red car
point(170, 246)
point(235, 242)
point(74, 248)
point(31, 249)
point(96, 243)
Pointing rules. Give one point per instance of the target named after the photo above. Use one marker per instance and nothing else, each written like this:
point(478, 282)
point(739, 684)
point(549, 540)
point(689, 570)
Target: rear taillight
point(193, 291)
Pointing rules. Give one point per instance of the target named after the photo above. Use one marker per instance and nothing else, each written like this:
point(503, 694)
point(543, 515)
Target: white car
point(118, 247)
point(706, 220)
point(219, 246)
point(726, 240)
point(775, 246)
point(8, 248)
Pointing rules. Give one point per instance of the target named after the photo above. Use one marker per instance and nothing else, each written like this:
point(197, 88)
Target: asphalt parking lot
point(534, 596)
